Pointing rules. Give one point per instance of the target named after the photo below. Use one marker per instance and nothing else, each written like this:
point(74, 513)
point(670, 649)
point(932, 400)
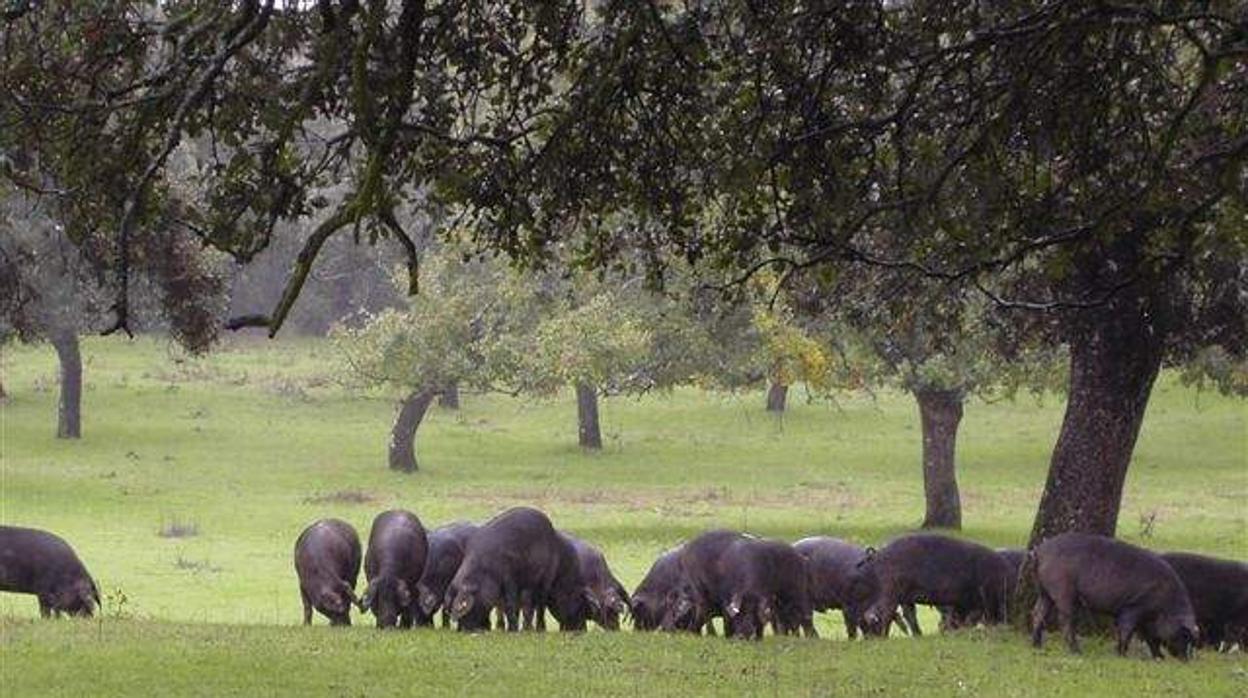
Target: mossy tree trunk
point(69, 406)
point(1115, 355)
point(940, 413)
point(403, 435)
point(777, 397)
point(588, 428)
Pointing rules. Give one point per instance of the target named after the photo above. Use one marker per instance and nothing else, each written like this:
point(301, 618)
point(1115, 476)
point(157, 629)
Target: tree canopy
point(1079, 162)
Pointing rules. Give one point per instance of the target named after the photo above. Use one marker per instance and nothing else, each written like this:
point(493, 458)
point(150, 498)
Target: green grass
point(252, 443)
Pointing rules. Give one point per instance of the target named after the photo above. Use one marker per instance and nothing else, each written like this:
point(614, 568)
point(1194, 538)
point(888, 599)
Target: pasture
point(195, 475)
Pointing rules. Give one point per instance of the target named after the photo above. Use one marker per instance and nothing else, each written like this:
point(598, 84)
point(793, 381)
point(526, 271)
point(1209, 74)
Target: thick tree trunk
point(940, 412)
point(1115, 355)
point(69, 409)
point(587, 416)
point(1114, 359)
point(449, 397)
point(403, 436)
point(777, 395)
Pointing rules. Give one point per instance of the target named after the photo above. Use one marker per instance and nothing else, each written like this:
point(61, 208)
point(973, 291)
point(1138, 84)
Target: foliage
point(460, 330)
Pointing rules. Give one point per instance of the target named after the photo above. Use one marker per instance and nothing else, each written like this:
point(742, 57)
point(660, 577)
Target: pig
point(1104, 575)
point(518, 562)
point(1013, 558)
point(831, 563)
point(923, 568)
point(694, 600)
point(608, 597)
point(327, 562)
point(649, 602)
point(760, 582)
point(397, 546)
point(446, 552)
point(1218, 590)
point(41, 563)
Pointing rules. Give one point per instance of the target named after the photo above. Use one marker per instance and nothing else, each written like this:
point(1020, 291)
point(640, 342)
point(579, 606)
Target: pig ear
point(366, 601)
point(405, 594)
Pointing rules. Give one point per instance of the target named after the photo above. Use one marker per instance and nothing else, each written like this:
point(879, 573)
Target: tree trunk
point(777, 394)
point(940, 412)
point(1115, 355)
point(587, 416)
point(1114, 359)
point(69, 410)
point(449, 398)
point(403, 436)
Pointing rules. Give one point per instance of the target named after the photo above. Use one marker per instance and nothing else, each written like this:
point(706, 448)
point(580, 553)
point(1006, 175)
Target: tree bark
point(777, 395)
point(940, 412)
point(403, 435)
point(587, 416)
point(1115, 354)
point(449, 398)
point(69, 408)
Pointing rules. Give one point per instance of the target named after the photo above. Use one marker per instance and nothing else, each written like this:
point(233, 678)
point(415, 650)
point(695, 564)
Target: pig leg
point(45, 610)
point(1125, 623)
point(1066, 618)
point(539, 613)
point(307, 608)
point(1154, 646)
point(851, 626)
point(1039, 614)
point(808, 626)
point(912, 619)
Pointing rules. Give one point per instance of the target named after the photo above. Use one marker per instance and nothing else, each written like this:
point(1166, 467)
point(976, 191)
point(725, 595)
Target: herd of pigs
point(517, 566)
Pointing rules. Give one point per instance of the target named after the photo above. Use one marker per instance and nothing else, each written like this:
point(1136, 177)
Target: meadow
point(195, 475)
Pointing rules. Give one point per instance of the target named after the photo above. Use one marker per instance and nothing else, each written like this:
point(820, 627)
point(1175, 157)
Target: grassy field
point(248, 445)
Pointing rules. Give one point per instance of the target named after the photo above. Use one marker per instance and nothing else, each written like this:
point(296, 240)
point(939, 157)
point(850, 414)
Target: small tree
point(598, 346)
point(454, 332)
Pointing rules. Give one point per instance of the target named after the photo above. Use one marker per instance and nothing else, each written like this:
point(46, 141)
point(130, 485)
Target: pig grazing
point(397, 546)
point(695, 599)
point(327, 561)
point(962, 577)
point(518, 562)
point(650, 600)
point(1013, 559)
point(1104, 575)
point(40, 563)
point(761, 582)
point(608, 598)
point(832, 564)
point(1218, 590)
point(446, 552)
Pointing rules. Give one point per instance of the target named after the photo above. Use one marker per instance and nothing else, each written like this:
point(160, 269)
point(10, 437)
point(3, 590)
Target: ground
point(194, 477)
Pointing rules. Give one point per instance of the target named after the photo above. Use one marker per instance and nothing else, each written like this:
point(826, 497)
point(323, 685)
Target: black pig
point(397, 546)
point(1104, 575)
point(1218, 590)
point(41, 563)
point(327, 561)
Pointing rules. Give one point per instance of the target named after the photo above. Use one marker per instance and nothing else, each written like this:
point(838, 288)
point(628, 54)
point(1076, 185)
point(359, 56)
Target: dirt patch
point(341, 497)
point(678, 502)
